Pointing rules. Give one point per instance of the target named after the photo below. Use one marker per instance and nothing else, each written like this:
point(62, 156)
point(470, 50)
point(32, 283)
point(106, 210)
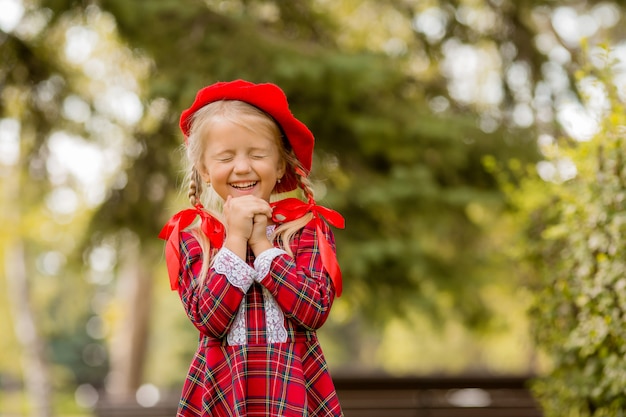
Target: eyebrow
point(252, 149)
point(228, 151)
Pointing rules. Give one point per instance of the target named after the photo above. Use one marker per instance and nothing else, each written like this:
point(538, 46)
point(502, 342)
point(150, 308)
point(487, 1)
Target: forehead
point(222, 134)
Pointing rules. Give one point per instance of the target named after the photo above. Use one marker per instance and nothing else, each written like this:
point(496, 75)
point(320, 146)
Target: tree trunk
point(129, 341)
point(34, 359)
point(33, 356)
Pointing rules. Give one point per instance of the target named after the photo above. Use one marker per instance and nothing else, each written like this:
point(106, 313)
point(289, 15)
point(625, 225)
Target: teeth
point(243, 185)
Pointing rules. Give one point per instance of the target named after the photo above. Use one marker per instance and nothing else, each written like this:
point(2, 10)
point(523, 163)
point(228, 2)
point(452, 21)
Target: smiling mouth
point(244, 185)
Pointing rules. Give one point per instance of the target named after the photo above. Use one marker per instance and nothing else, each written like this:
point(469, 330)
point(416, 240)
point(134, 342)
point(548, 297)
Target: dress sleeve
point(212, 304)
point(300, 284)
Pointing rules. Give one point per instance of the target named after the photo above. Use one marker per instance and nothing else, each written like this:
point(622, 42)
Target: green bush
point(572, 253)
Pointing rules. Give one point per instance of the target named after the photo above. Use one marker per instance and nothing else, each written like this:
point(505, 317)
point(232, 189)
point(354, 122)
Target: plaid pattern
point(259, 378)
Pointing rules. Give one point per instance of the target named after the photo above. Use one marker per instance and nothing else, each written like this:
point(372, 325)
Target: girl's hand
point(239, 213)
point(258, 239)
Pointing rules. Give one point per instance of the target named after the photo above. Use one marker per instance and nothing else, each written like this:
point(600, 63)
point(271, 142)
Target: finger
point(260, 218)
point(252, 205)
point(265, 210)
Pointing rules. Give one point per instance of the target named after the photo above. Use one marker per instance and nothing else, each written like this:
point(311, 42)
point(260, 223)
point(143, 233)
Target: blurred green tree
point(402, 176)
point(573, 249)
point(38, 234)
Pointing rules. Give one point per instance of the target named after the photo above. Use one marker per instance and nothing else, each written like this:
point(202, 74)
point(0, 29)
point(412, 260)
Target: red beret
point(272, 100)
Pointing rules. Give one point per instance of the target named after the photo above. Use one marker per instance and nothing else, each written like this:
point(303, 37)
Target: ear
point(282, 168)
point(204, 174)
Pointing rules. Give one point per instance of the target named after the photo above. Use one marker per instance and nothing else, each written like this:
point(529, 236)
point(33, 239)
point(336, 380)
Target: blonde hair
point(252, 118)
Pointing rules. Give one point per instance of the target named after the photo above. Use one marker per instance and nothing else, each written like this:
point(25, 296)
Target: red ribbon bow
point(292, 208)
point(211, 227)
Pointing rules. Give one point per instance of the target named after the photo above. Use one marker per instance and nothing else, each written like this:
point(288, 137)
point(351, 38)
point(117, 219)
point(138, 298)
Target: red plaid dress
point(258, 353)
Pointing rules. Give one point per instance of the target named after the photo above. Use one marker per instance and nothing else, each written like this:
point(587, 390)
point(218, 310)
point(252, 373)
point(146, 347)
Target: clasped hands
point(247, 218)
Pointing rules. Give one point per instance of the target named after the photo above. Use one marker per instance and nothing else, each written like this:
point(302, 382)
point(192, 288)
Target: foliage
point(402, 176)
point(405, 112)
point(574, 250)
point(45, 209)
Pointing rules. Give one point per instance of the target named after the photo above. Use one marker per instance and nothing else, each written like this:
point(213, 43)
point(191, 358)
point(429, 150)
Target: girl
point(257, 279)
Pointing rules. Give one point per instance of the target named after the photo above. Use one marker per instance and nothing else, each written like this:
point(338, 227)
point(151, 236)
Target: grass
point(15, 403)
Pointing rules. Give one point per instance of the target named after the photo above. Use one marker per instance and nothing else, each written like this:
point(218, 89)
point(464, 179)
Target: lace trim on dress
point(274, 319)
point(241, 275)
point(237, 272)
point(264, 261)
point(237, 332)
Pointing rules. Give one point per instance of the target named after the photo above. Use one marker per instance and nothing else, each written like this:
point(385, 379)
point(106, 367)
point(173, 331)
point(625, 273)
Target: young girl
point(256, 278)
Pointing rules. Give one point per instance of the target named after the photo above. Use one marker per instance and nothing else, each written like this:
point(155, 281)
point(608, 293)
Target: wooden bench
point(436, 397)
point(464, 396)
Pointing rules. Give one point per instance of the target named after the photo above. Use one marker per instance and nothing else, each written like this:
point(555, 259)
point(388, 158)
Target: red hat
point(272, 100)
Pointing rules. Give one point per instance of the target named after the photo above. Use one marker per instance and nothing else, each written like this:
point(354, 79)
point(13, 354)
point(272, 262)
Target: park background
point(474, 147)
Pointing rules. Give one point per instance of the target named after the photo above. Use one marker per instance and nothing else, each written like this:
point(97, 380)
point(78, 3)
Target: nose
point(242, 165)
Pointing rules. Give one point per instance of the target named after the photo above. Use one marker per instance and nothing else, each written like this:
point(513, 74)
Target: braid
point(195, 187)
point(285, 232)
point(294, 164)
point(305, 184)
